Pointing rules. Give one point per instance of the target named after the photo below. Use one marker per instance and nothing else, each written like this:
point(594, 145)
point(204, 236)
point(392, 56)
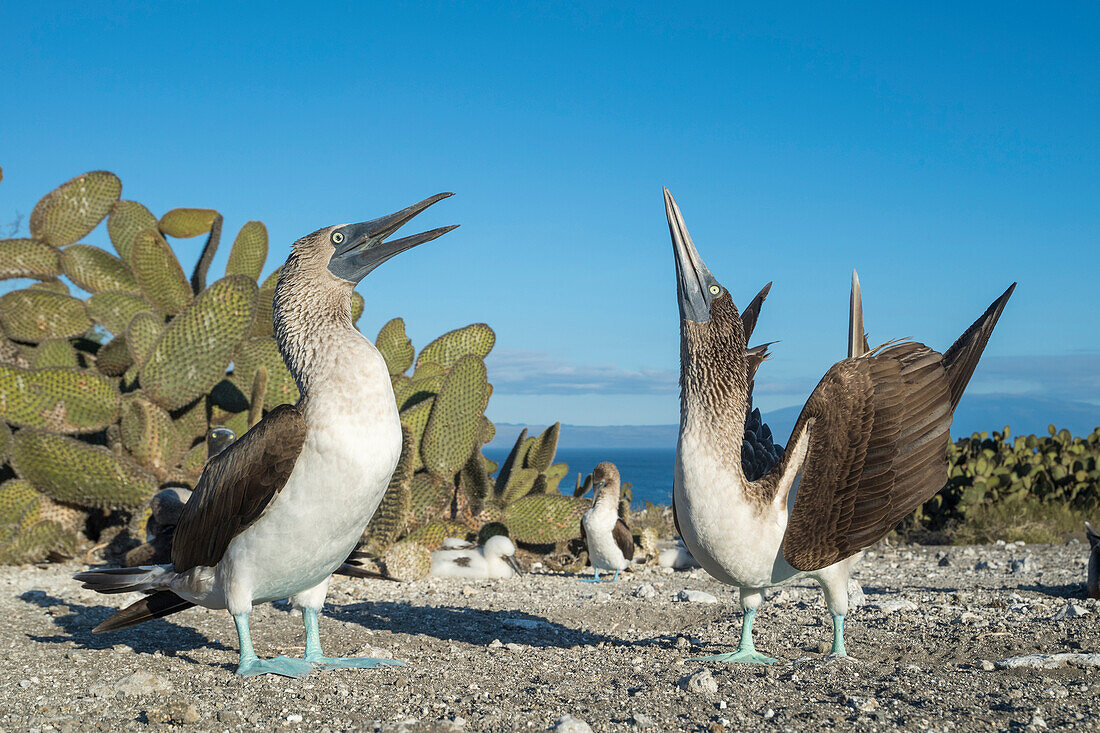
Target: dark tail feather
point(959, 361)
point(752, 312)
point(356, 571)
point(155, 605)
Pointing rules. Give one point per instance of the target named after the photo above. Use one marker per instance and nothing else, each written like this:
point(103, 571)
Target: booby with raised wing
point(277, 511)
point(608, 539)
point(868, 448)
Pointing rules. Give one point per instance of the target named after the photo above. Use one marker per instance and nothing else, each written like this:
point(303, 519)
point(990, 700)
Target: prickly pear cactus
point(407, 561)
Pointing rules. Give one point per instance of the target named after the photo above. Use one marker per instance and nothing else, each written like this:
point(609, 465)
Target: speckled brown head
point(605, 481)
point(713, 371)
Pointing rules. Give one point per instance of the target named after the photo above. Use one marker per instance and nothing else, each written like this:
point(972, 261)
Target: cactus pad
point(28, 258)
point(415, 419)
point(192, 354)
point(159, 273)
point(431, 536)
point(476, 339)
point(544, 519)
point(37, 315)
point(454, 426)
point(74, 208)
point(407, 561)
point(113, 358)
point(429, 496)
point(186, 223)
point(391, 517)
point(249, 251)
point(250, 356)
point(147, 432)
point(357, 306)
point(58, 399)
point(72, 471)
point(395, 346)
point(126, 220)
point(114, 311)
point(55, 353)
point(95, 270)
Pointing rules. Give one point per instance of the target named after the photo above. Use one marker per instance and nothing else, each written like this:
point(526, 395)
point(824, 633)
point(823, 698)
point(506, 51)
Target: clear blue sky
point(944, 151)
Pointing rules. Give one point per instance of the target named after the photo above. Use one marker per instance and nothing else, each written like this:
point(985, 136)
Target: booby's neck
point(311, 320)
point(714, 393)
point(607, 500)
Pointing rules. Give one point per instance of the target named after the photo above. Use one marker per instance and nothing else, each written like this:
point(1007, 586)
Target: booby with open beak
point(869, 447)
point(277, 511)
point(608, 539)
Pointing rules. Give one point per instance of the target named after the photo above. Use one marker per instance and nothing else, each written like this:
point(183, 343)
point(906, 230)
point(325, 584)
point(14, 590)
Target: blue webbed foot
point(329, 663)
point(284, 666)
point(741, 656)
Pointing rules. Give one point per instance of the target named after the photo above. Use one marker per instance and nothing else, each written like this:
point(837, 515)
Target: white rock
point(893, 605)
point(1070, 610)
point(525, 623)
point(643, 721)
point(141, 683)
point(294, 718)
point(701, 682)
point(696, 596)
point(645, 590)
point(856, 597)
point(495, 644)
point(568, 724)
point(1051, 661)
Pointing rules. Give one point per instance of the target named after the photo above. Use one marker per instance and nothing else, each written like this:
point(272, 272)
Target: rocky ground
point(930, 639)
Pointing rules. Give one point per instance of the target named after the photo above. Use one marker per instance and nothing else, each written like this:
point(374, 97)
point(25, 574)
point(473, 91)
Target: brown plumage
point(1092, 585)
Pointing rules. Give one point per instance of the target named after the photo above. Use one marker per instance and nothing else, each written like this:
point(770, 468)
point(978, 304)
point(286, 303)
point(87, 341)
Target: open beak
point(692, 276)
point(363, 247)
point(513, 563)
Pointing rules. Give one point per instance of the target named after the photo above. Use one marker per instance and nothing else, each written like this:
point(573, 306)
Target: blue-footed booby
point(1092, 585)
point(869, 447)
point(492, 561)
point(608, 539)
point(277, 511)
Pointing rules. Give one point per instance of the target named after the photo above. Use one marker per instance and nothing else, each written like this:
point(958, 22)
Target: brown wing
point(878, 433)
point(621, 534)
point(236, 486)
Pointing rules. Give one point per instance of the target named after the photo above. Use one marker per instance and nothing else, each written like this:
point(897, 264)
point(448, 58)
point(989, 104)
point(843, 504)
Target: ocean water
point(649, 469)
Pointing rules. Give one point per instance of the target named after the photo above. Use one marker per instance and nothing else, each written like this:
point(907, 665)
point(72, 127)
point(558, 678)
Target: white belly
point(733, 540)
point(602, 550)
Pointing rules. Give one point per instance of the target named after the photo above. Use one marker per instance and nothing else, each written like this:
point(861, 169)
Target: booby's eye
point(337, 237)
point(715, 289)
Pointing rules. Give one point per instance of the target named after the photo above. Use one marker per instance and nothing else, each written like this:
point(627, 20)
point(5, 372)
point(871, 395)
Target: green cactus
point(158, 272)
point(395, 346)
point(55, 353)
point(126, 220)
point(250, 356)
point(390, 520)
point(541, 453)
point(407, 561)
point(428, 498)
point(148, 434)
point(476, 339)
point(454, 425)
point(431, 536)
point(114, 311)
point(186, 223)
point(195, 349)
point(249, 251)
point(16, 496)
point(113, 358)
point(37, 315)
point(415, 418)
point(95, 270)
point(36, 543)
point(51, 286)
point(28, 258)
point(69, 470)
point(58, 399)
point(544, 519)
point(74, 208)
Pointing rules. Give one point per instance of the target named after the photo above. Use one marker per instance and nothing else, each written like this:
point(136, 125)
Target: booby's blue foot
point(742, 656)
point(616, 576)
point(284, 666)
point(746, 653)
point(313, 650)
point(252, 666)
point(595, 576)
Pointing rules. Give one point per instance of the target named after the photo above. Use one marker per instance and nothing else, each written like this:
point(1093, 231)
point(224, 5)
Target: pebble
point(701, 682)
point(862, 704)
point(1023, 565)
point(1050, 661)
point(696, 596)
point(642, 721)
point(645, 590)
point(856, 597)
point(136, 683)
point(568, 724)
point(1070, 610)
point(893, 605)
point(175, 713)
point(495, 644)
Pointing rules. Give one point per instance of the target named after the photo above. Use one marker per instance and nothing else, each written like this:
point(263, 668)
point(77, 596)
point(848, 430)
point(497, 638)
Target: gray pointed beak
point(692, 276)
point(359, 248)
point(513, 563)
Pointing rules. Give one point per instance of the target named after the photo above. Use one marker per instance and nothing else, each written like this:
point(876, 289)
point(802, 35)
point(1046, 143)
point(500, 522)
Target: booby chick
point(608, 539)
point(277, 511)
point(1092, 586)
point(493, 560)
point(869, 447)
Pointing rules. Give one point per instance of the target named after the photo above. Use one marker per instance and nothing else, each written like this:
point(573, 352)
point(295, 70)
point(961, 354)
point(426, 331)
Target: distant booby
point(1092, 587)
point(868, 448)
point(494, 560)
point(610, 544)
point(277, 511)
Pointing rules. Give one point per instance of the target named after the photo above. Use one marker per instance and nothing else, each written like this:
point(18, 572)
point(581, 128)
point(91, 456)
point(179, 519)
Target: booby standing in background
point(610, 544)
point(276, 512)
point(1092, 585)
point(492, 561)
point(868, 448)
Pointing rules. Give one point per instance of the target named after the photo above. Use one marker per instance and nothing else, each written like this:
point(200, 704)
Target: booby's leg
point(310, 603)
point(835, 586)
point(746, 651)
point(616, 576)
point(595, 576)
point(251, 665)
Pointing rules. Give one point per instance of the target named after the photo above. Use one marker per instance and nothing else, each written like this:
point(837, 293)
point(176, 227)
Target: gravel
point(936, 647)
